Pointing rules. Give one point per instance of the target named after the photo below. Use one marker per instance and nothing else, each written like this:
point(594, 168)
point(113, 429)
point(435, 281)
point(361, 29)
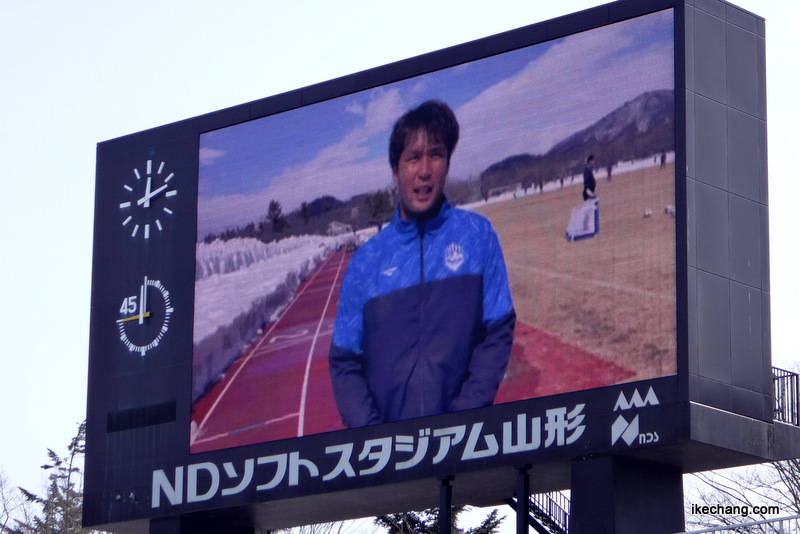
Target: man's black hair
point(433, 116)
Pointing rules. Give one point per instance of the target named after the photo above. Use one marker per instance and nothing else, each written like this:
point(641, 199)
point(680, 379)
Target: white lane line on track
point(255, 348)
point(251, 427)
point(304, 393)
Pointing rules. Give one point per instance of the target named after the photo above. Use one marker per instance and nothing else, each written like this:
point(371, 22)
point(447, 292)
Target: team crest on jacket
point(453, 256)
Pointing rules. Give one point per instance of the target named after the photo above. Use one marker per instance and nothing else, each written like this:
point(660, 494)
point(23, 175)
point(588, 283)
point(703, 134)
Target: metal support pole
point(523, 500)
point(446, 506)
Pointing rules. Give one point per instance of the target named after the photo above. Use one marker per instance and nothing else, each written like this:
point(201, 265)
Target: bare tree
point(12, 506)
point(427, 522)
point(337, 527)
point(424, 522)
point(744, 494)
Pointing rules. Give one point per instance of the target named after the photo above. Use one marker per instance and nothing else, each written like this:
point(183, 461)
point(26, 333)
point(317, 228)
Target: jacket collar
point(427, 225)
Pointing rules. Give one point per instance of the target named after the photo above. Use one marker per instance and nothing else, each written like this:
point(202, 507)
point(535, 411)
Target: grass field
point(612, 295)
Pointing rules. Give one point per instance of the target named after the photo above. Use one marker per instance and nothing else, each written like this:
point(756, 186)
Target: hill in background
point(643, 127)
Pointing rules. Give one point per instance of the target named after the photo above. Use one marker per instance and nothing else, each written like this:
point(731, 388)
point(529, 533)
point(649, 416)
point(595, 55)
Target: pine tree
point(275, 216)
point(62, 504)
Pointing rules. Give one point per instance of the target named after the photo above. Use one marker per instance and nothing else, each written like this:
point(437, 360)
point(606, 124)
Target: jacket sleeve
point(487, 365)
point(489, 358)
point(354, 401)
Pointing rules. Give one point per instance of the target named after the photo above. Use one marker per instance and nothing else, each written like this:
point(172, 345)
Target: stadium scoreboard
point(630, 340)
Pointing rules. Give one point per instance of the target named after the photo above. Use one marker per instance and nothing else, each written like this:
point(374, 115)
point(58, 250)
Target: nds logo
point(636, 400)
point(628, 431)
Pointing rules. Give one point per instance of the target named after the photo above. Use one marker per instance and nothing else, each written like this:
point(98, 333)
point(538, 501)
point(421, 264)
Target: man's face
point(420, 173)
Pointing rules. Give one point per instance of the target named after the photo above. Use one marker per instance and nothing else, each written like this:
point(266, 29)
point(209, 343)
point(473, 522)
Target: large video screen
point(566, 149)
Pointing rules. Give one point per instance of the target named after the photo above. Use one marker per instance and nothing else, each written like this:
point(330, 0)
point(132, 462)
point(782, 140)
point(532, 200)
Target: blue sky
point(287, 139)
point(532, 98)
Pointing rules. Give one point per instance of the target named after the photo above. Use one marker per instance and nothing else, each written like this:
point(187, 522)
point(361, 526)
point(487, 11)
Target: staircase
point(549, 512)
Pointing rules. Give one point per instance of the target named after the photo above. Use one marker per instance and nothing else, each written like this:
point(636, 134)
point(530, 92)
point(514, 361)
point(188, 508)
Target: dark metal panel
point(749, 403)
point(766, 343)
point(763, 172)
point(327, 90)
point(274, 104)
point(689, 44)
point(711, 147)
point(715, 7)
point(747, 369)
point(745, 240)
point(745, 156)
point(585, 20)
point(714, 328)
point(744, 19)
point(710, 51)
point(452, 56)
point(714, 393)
point(742, 68)
point(691, 222)
point(712, 229)
point(388, 73)
point(691, 134)
point(730, 431)
point(516, 39)
point(692, 321)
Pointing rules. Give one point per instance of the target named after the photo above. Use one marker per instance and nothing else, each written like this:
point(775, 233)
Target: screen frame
point(108, 472)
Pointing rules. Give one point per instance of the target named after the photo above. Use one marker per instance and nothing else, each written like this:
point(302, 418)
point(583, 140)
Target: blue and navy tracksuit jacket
point(425, 320)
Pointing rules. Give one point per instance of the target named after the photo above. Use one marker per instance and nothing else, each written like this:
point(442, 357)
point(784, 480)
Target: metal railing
point(552, 510)
point(785, 386)
point(781, 525)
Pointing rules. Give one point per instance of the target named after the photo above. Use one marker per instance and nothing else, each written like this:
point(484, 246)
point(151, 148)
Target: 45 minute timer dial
point(144, 317)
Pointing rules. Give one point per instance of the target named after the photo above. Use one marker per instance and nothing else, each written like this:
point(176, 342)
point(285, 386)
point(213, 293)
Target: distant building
point(337, 228)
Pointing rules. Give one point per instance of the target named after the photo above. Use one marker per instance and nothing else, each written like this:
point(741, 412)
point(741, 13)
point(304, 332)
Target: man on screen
point(425, 319)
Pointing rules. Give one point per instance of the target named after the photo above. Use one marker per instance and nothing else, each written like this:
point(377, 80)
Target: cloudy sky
point(77, 73)
point(520, 102)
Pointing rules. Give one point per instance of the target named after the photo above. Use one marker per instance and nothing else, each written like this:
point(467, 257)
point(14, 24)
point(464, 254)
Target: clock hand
point(143, 300)
point(132, 318)
point(146, 198)
point(149, 194)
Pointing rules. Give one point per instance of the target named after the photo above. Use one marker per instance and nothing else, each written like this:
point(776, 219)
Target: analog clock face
point(144, 317)
point(145, 207)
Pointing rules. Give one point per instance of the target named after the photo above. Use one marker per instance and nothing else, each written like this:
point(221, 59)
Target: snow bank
point(240, 285)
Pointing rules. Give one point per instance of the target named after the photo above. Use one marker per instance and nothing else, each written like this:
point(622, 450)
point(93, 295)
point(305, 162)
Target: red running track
point(280, 387)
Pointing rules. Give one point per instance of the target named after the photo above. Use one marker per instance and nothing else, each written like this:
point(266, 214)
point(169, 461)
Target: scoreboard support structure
point(621, 495)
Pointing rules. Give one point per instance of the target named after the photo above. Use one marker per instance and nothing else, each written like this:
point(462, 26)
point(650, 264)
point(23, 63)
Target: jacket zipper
point(421, 228)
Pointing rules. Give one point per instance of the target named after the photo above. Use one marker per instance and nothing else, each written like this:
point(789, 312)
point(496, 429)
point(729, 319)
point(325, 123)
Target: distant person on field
point(425, 319)
point(589, 182)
